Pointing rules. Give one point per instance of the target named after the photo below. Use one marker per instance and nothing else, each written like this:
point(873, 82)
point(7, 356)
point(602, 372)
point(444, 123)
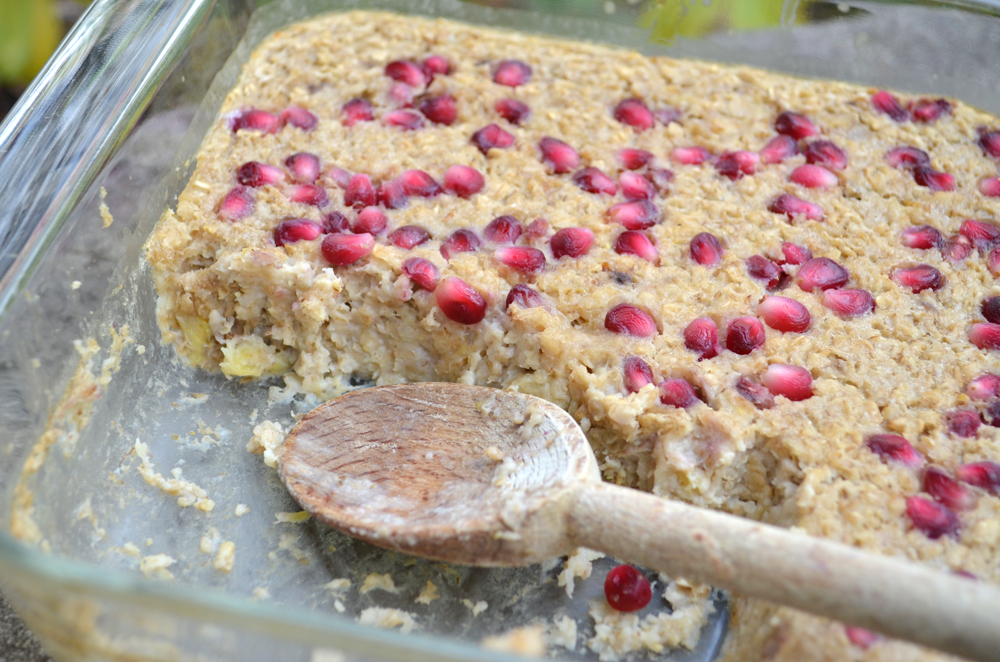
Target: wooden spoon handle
point(889, 595)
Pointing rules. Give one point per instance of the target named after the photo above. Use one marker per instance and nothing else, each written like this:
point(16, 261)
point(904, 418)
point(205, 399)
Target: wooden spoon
point(484, 477)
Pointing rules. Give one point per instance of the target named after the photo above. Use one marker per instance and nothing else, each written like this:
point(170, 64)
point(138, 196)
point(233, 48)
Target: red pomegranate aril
point(335, 222)
point(559, 155)
point(993, 262)
point(744, 335)
point(922, 237)
point(401, 95)
point(762, 269)
point(358, 110)
point(702, 337)
point(636, 374)
point(982, 234)
point(963, 422)
point(296, 229)
point(933, 519)
point(407, 120)
point(736, 164)
point(304, 167)
point(491, 136)
point(524, 296)
point(408, 236)
point(932, 179)
point(991, 309)
point(928, 110)
point(626, 589)
point(421, 272)
point(523, 259)
point(440, 110)
point(791, 206)
point(634, 159)
point(907, 157)
point(677, 392)
point(634, 113)
point(513, 111)
point(463, 181)
point(985, 335)
point(690, 155)
point(592, 180)
point(419, 183)
point(755, 393)
point(503, 230)
point(512, 73)
point(635, 215)
point(795, 254)
point(989, 141)
point(813, 176)
point(705, 249)
point(571, 242)
point(849, 303)
point(635, 186)
point(460, 241)
point(537, 229)
point(821, 272)
point(630, 321)
point(984, 475)
point(791, 381)
point(371, 221)
point(339, 176)
point(360, 193)
point(796, 125)
point(784, 314)
point(661, 178)
point(992, 414)
point(308, 194)
point(990, 187)
point(919, 278)
point(252, 119)
point(298, 117)
point(459, 301)
point(778, 149)
point(344, 249)
point(860, 637)
point(956, 248)
point(895, 448)
point(254, 174)
point(825, 153)
point(633, 242)
point(392, 194)
point(888, 104)
point(984, 387)
point(407, 72)
point(437, 64)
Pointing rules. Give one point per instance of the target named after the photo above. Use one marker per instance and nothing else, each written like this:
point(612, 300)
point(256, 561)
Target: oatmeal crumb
point(241, 509)
point(428, 595)
point(528, 641)
point(375, 581)
point(388, 618)
point(156, 565)
point(226, 557)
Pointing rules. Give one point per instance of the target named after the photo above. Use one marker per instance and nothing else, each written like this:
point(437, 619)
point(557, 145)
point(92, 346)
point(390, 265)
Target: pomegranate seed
point(491, 136)
point(358, 110)
point(990, 187)
point(991, 309)
point(983, 234)
point(635, 113)
point(401, 95)
point(636, 215)
point(296, 229)
point(919, 278)
point(984, 387)
point(254, 174)
point(934, 519)
point(304, 167)
point(690, 155)
point(630, 321)
point(907, 157)
point(962, 423)
point(796, 125)
point(626, 589)
point(537, 229)
point(791, 206)
point(984, 475)
point(407, 72)
point(635, 186)
point(371, 221)
point(922, 237)
point(736, 164)
point(633, 159)
point(460, 241)
point(795, 254)
point(993, 262)
point(956, 248)
point(523, 259)
point(705, 249)
point(860, 637)
point(335, 222)
point(667, 115)
point(437, 64)
point(932, 179)
point(784, 314)
point(298, 117)
point(503, 230)
point(849, 303)
point(360, 193)
point(778, 149)
point(677, 392)
point(392, 194)
point(409, 236)
point(702, 337)
point(237, 204)
point(513, 111)
point(524, 296)
point(460, 302)
point(512, 73)
point(661, 178)
point(992, 414)
point(593, 180)
point(744, 335)
point(888, 104)
point(821, 272)
point(572, 242)
point(419, 183)
point(813, 176)
point(339, 176)
point(308, 194)
point(440, 110)
point(637, 374)
point(928, 110)
point(989, 141)
point(633, 242)
point(985, 335)
point(463, 181)
point(559, 155)
point(760, 268)
point(421, 272)
point(342, 249)
point(791, 381)
point(755, 393)
point(252, 119)
point(827, 154)
point(895, 448)
point(407, 120)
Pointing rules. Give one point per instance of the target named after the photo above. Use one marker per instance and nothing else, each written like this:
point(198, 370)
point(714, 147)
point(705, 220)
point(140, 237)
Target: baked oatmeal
point(759, 294)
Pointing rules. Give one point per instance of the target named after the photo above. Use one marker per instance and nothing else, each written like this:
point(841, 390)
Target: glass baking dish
point(96, 149)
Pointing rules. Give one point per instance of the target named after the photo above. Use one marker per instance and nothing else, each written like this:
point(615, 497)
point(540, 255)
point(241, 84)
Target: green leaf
point(29, 33)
